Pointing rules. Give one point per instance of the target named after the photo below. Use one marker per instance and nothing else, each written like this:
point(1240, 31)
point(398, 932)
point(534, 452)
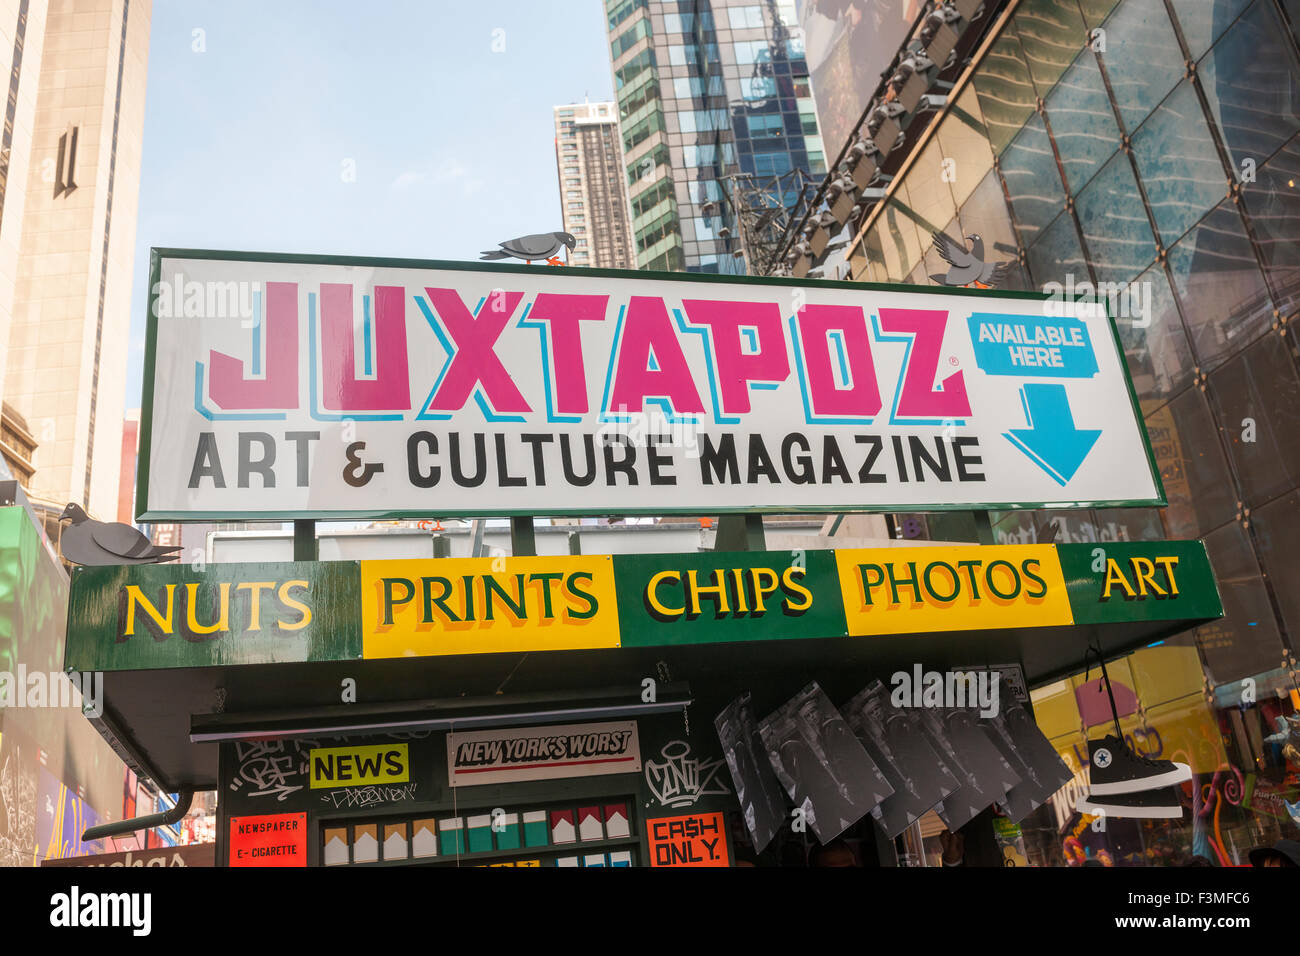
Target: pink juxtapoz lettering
point(919, 398)
point(861, 397)
point(648, 338)
point(475, 360)
point(564, 314)
point(341, 389)
point(770, 361)
point(231, 389)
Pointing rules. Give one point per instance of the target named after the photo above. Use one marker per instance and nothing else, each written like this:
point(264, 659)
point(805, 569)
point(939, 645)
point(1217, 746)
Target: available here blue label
point(1032, 346)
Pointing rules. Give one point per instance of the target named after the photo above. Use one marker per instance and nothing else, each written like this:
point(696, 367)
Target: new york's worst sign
point(367, 389)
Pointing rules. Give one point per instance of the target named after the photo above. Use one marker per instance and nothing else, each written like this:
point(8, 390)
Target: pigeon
point(95, 543)
point(542, 245)
point(967, 265)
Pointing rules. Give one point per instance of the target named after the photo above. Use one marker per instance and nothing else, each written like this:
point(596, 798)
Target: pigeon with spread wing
point(968, 265)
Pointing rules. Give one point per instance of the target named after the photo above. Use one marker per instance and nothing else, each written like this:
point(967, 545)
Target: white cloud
point(448, 171)
point(407, 178)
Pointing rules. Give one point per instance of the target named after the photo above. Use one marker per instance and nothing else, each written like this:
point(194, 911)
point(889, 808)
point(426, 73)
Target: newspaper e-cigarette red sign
point(277, 839)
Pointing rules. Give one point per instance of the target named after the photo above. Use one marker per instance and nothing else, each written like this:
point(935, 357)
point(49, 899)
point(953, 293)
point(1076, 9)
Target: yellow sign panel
point(359, 766)
point(482, 605)
point(912, 590)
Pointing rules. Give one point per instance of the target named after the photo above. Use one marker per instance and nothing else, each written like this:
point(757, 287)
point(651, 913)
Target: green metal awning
point(190, 657)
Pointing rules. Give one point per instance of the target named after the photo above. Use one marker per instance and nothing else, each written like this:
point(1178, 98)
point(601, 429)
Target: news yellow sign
point(913, 590)
point(359, 766)
point(422, 608)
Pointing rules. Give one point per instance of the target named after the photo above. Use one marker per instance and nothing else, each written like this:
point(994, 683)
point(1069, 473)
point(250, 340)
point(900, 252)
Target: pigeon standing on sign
point(542, 245)
point(94, 543)
point(968, 265)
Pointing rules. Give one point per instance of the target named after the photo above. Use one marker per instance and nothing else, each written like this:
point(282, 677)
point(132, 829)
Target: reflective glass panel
point(1273, 207)
point(1197, 482)
point(1252, 83)
point(1203, 21)
point(1142, 57)
point(1219, 286)
point(1082, 121)
point(1006, 94)
point(985, 214)
point(1154, 341)
point(1033, 182)
point(964, 140)
point(1180, 167)
point(1057, 255)
point(1257, 394)
point(1051, 34)
point(1245, 642)
point(1277, 529)
point(1114, 223)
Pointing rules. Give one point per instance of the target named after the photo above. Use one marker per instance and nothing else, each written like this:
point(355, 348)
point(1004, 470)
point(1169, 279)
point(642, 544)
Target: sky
point(404, 128)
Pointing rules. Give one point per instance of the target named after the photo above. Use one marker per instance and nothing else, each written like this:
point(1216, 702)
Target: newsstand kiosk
point(697, 709)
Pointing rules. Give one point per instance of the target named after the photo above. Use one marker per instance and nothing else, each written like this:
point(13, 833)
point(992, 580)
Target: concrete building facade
point(67, 235)
point(593, 192)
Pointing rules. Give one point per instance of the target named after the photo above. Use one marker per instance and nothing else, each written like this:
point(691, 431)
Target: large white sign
point(357, 389)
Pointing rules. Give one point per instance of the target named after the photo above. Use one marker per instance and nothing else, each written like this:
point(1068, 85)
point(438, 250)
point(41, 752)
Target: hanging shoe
point(1117, 769)
point(1159, 804)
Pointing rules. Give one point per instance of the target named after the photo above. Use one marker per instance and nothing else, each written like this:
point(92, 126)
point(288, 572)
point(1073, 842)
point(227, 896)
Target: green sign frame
point(380, 513)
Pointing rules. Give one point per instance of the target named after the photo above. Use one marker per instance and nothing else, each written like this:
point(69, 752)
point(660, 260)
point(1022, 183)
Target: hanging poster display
point(988, 774)
point(1046, 770)
point(824, 768)
point(757, 789)
point(920, 777)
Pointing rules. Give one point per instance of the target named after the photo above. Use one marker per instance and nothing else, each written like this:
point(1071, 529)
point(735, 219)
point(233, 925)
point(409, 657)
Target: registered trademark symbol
point(952, 360)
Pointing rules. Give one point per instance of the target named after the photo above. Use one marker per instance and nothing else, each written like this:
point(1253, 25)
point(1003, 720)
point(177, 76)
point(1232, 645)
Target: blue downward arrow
point(1051, 441)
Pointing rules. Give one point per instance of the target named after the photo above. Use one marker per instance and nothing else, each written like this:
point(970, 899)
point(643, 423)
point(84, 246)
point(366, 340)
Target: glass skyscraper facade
point(1154, 146)
point(707, 90)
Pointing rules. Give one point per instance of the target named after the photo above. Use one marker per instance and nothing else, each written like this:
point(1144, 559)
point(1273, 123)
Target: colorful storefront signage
point(359, 766)
point(161, 616)
point(467, 606)
point(542, 753)
point(907, 590)
point(328, 387)
point(698, 839)
point(170, 615)
point(1117, 581)
point(194, 854)
point(278, 839)
point(677, 598)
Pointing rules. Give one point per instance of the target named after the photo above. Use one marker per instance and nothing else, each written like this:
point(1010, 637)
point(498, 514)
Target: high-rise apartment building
point(593, 191)
point(707, 90)
point(70, 172)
